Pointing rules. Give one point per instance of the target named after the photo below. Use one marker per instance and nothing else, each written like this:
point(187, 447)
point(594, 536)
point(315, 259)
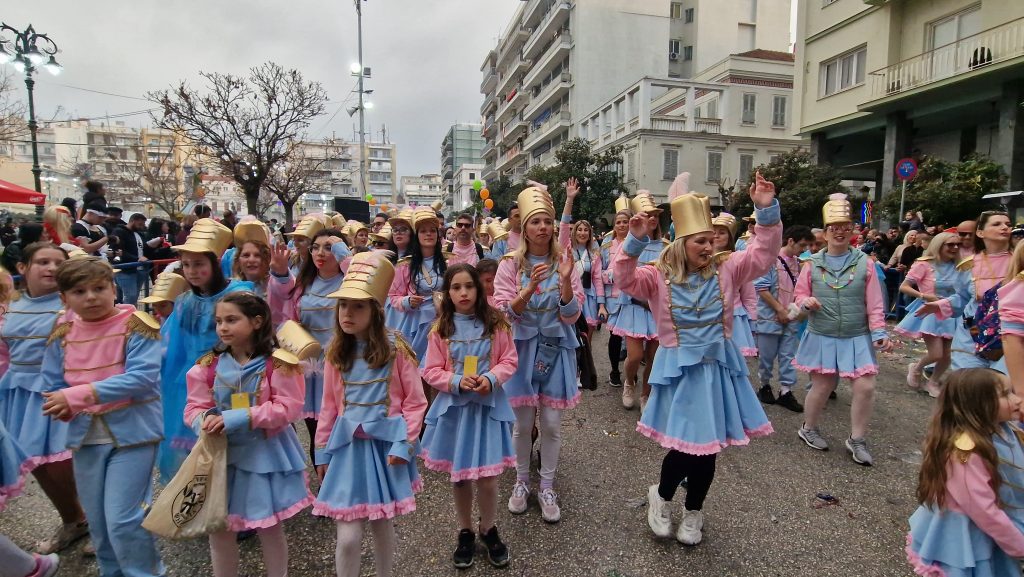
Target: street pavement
point(761, 517)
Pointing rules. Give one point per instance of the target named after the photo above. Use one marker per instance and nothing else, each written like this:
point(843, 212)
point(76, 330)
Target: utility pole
point(362, 110)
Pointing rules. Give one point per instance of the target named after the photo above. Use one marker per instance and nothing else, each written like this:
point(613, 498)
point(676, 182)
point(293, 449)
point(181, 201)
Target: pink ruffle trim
point(535, 400)
point(749, 351)
point(918, 563)
point(12, 491)
point(702, 448)
point(866, 370)
point(32, 463)
point(471, 474)
point(237, 523)
point(369, 512)
point(918, 334)
point(622, 333)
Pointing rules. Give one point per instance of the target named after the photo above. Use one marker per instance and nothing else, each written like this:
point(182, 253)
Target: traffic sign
point(906, 169)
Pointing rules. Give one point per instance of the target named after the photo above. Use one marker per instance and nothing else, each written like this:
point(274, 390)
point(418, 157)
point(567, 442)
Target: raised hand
point(279, 259)
point(762, 192)
point(572, 188)
point(638, 225)
point(565, 266)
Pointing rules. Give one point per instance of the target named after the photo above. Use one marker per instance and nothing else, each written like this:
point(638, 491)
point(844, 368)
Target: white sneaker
point(628, 395)
point(517, 502)
point(658, 514)
point(549, 509)
point(689, 532)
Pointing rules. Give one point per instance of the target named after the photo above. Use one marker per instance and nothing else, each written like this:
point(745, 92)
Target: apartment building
point(879, 80)
point(733, 116)
point(463, 193)
point(422, 190)
point(559, 60)
point(338, 172)
point(463, 144)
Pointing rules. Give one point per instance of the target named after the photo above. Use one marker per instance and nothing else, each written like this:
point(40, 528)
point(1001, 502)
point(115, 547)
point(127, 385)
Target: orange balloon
point(373, 201)
point(485, 194)
point(488, 204)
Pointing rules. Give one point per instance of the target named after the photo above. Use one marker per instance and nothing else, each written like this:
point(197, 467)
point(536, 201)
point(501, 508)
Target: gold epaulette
point(60, 330)
point(285, 361)
point(404, 260)
point(966, 264)
point(502, 324)
point(1020, 276)
point(16, 296)
point(926, 257)
point(448, 255)
point(720, 257)
point(435, 326)
point(143, 323)
point(510, 254)
point(964, 445)
point(206, 360)
point(402, 346)
point(665, 241)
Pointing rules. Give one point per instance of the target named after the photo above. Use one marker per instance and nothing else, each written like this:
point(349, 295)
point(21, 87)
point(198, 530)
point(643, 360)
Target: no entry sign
point(906, 169)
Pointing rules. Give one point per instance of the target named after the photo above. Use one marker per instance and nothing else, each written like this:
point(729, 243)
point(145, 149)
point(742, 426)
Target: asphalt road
point(760, 517)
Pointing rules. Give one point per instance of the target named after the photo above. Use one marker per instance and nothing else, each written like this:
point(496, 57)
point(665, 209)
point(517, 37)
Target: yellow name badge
point(239, 400)
point(469, 366)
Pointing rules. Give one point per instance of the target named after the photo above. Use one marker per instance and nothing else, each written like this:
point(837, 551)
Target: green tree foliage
point(801, 186)
point(947, 192)
point(600, 174)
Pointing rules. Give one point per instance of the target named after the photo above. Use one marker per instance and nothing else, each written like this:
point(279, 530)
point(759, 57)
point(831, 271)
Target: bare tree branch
point(12, 109)
point(306, 169)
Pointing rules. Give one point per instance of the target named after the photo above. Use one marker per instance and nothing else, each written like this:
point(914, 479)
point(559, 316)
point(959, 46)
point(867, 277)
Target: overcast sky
point(425, 56)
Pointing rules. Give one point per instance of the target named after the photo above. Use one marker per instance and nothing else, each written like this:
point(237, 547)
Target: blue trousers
point(781, 346)
point(116, 488)
point(129, 282)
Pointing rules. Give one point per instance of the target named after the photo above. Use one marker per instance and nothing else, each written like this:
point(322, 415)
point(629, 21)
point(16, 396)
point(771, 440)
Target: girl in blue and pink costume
point(418, 277)
point(744, 315)
point(701, 398)
point(613, 297)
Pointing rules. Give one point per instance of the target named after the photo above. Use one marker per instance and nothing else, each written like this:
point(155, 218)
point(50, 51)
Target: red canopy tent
point(12, 193)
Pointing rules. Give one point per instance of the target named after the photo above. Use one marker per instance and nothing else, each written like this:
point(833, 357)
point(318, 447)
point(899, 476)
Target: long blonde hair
point(672, 262)
point(554, 251)
point(935, 246)
point(57, 220)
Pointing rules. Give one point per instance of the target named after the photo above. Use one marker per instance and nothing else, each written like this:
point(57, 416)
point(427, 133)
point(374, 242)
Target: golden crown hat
point(533, 200)
point(251, 230)
point(437, 205)
point(644, 202)
point(728, 221)
point(403, 217)
point(207, 235)
point(621, 203)
point(691, 214)
point(337, 221)
point(482, 229)
point(369, 276)
point(382, 235)
point(297, 341)
point(308, 226)
point(167, 287)
point(837, 209)
point(424, 214)
point(505, 224)
point(496, 231)
point(352, 227)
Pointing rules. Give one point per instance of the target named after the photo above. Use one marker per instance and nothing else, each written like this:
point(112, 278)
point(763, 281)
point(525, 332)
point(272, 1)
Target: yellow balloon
point(485, 194)
point(488, 204)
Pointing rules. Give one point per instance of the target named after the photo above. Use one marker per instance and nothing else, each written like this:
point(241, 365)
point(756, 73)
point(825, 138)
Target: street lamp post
point(29, 49)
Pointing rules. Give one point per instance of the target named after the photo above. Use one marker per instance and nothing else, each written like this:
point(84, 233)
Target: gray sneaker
point(859, 451)
point(813, 438)
point(549, 510)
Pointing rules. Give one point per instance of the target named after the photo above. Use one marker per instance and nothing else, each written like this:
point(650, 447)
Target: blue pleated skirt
point(914, 327)
point(849, 357)
point(469, 441)
point(13, 467)
point(635, 321)
point(42, 439)
point(361, 485)
point(270, 484)
point(949, 542)
point(558, 390)
point(742, 335)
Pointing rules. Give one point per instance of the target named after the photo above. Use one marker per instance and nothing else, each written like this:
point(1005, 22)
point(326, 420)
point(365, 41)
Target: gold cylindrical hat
point(621, 203)
point(404, 217)
point(644, 202)
point(167, 287)
point(383, 235)
point(482, 229)
point(352, 228)
point(252, 230)
point(728, 221)
point(424, 214)
point(297, 341)
point(496, 231)
point(534, 200)
point(337, 221)
point(369, 276)
point(207, 235)
point(308, 226)
point(691, 214)
point(837, 209)
point(437, 205)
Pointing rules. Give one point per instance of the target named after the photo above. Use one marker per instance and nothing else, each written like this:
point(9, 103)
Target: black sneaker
point(765, 395)
point(497, 552)
point(463, 556)
point(788, 401)
point(615, 379)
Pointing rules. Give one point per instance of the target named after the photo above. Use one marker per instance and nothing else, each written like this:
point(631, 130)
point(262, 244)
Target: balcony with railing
point(488, 150)
point(489, 81)
point(550, 126)
point(491, 101)
point(977, 54)
point(556, 16)
point(552, 54)
point(509, 157)
point(549, 93)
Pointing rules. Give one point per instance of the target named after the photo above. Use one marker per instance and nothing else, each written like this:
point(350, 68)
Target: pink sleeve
point(281, 300)
point(917, 271)
point(639, 282)
point(5, 356)
point(407, 396)
point(1011, 306)
point(343, 265)
point(199, 380)
point(287, 396)
point(595, 274)
point(748, 265)
point(565, 235)
point(802, 290)
point(968, 485)
point(873, 299)
point(436, 370)
point(577, 293)
point(504, 358)
point(399, 287)
point(506, 286)
point(329, 406)
point(749, 297)
point(81, 397)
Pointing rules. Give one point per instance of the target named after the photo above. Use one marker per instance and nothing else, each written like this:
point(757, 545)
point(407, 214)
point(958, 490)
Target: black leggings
point(614, 350)
point(699, 470)
point(311, 428)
